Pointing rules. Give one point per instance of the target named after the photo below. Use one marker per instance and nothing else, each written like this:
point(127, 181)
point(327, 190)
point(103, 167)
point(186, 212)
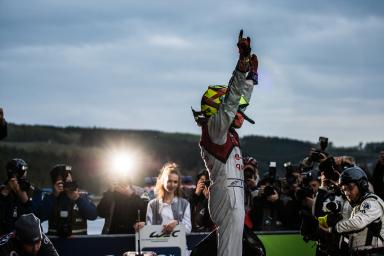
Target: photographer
point(3, 125)
point(268, 213)
point(201, 221)
point(66, 208)
point(270, 178)
point(328, 199)
point(363, 229)
point(251, 180)
point(119, 206)
point(14, 195)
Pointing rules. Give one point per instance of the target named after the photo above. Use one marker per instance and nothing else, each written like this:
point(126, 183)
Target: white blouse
point(167, 214)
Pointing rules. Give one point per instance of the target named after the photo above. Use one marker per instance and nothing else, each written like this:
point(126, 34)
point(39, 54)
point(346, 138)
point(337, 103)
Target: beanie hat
point(28, 229)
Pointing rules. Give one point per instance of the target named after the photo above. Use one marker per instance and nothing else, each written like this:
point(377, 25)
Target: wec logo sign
point(160, 235)
point(153, 239)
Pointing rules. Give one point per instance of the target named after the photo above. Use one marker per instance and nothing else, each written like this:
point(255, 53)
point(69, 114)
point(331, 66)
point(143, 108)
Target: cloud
point(143, 64)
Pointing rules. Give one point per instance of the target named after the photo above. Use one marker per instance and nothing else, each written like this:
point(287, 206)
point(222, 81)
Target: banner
point(153, 239)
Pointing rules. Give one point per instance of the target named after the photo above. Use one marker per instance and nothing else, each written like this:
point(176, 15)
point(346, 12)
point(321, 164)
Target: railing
point(276, 243)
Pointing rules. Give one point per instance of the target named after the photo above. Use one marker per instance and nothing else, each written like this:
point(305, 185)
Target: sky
point(143, 64)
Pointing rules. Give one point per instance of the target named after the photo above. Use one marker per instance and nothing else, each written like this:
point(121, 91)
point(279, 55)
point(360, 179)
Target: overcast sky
point(143, 64)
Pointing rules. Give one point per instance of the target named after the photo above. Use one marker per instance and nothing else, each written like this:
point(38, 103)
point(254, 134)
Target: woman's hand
point(170, 226)
point(138, 225)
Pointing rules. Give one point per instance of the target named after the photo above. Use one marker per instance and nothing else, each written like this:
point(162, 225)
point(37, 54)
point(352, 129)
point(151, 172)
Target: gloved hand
point(330, 220)
point(244, 45)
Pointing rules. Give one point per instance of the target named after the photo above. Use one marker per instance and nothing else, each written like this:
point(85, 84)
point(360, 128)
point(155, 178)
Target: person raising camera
point(66, 208)
point(201, 221)
point(363, 230)
point(15, 194)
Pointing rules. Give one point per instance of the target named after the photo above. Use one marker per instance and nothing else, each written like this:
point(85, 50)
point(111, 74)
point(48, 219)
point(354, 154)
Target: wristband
point(254, 77)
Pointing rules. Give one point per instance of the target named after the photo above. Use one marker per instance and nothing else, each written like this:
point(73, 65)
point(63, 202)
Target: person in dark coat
point(201, 221)
point(378, 176)
point(268, 213)
point(3, 125)
point(119, 206)
point(14, 195)
point(66, 208)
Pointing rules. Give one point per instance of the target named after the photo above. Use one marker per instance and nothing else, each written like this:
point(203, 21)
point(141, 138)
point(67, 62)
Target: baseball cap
point(28, 229)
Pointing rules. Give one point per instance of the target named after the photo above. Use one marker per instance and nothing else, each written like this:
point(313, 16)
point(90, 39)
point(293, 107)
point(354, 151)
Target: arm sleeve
point(47, 248)
point(219, 123)
point(369, 211)
point(149, 218)
point(86, 207)
point(186, 221)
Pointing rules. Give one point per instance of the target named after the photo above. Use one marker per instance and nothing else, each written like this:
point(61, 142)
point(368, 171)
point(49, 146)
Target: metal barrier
point(276, 243)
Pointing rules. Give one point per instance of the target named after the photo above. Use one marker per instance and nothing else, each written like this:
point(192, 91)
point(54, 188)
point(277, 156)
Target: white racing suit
point(364, 229)
point(220, 150)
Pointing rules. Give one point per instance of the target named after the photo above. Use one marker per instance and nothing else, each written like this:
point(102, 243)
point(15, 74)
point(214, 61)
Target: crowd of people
point(315, 200)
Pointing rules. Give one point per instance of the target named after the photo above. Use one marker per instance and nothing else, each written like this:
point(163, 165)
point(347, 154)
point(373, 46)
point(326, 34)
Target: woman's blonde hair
point(167, 169)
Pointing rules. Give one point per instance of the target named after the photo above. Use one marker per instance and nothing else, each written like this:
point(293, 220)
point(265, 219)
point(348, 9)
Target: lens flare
point(122, 164)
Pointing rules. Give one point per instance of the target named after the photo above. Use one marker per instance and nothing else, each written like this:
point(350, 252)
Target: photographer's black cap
point(16, 167)
point(28, 229)
point(60, 170)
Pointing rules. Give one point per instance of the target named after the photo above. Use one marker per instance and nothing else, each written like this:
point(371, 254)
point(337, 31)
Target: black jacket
point(378, 179)
point(120, 212)
point(11, 208)
point(3, 130)
point(200, 218)
point(9, 245)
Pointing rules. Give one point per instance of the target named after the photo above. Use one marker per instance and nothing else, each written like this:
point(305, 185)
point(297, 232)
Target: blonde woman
point(168, 208)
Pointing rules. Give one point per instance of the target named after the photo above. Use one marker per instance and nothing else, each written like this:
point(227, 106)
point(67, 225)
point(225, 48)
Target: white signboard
point(153, 239)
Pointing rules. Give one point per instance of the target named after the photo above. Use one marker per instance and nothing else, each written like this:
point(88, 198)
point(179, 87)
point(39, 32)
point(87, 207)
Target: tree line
point(86, 149)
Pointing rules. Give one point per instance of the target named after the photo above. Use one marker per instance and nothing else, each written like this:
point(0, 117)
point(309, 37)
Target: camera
point(315, 155)
point(333, 206)
point(70, 185)
point(24, 184)
point(272, 171)
point(207, 183)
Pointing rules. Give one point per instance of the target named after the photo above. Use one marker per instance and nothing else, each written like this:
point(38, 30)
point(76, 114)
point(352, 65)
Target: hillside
point(87, 150)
